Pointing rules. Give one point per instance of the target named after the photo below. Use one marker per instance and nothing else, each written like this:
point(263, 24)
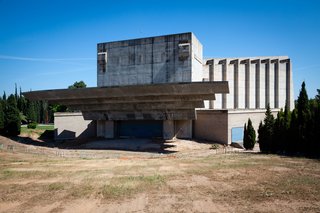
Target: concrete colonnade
point(252, 87)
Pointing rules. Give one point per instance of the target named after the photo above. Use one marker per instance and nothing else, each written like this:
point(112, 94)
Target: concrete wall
point(237, 118)
point(160, 59)
point(197, 61)
point(216, 125)
point(71, 125)
point(212, 125)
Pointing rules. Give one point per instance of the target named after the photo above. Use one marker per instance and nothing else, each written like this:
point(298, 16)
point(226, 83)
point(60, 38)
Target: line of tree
point(16, 110)
point(293, 132)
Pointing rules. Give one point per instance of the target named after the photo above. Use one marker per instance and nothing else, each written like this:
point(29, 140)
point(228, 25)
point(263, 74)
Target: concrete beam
point(144, 99)
point(142, 115)
point(189, 88)
point(140, 106)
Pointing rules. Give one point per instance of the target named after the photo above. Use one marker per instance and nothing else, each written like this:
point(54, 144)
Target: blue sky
point(51, 44)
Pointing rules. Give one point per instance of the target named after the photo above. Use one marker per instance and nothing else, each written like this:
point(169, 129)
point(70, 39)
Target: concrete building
point(162, 87)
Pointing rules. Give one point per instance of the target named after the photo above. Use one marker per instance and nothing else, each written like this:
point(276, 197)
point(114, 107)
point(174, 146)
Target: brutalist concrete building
point(163, 87)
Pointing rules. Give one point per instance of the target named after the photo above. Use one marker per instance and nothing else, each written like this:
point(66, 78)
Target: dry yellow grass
point(240, 182)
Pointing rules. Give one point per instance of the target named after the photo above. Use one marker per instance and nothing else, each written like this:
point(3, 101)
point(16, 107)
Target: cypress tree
point(249, 136)
point(4, 97)
point(293, 145)
point(303, 108)
point(15, 92)
point(266, 131)
point(31, 112)
point(12, 117)
point(1, 118)
point(318, 96)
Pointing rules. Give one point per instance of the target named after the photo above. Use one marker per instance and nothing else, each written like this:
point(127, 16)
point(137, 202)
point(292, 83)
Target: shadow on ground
point(153, 145)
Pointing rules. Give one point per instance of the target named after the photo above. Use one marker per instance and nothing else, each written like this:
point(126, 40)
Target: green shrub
point(32, 125)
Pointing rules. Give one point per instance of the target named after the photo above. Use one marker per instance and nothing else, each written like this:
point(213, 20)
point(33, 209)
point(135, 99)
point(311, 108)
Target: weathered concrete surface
point(216, 125)
point(253, 82)
point(237, 118)
point(71, 125)
point(183, 129)
point(138, 115)
point(160, 59)
point(172, 89)
point(168, 129)
point(105, 129)
point(102, 103)
point(212, 125)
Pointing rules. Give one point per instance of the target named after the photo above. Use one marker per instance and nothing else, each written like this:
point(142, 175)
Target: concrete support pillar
point(211, 78)
point(224, 78)
point(100, 128)
point(168, 129)
point(288, 82)
point(267, 80)
point(183, 129)
point(105, 129)
point(109, 129)
point(276, 82)
point(257, 62)
point(236, 83)
point(247, 82)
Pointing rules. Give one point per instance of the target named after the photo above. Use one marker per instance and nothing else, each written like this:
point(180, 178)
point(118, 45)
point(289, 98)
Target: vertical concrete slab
point(183, 129)
point(230, 79)
point(109, 129)
point(168, 129)
point(100, 128)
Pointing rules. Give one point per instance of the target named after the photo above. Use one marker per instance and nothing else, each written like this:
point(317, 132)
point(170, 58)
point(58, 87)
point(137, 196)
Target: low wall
point(212, 125)
point(216, 125)
point(71, 125)
point(237, 118)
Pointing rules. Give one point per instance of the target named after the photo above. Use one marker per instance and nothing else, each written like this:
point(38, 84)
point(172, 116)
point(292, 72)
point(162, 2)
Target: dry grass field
point(236, 182)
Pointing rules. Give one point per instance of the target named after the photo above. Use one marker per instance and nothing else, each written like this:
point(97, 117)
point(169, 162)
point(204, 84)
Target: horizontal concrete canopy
point(169, 101)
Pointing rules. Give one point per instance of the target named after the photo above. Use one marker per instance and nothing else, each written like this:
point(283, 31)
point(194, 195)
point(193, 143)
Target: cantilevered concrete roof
point(168, 101)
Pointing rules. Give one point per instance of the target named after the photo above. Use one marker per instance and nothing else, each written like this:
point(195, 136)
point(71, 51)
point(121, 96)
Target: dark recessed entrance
point(140, 129)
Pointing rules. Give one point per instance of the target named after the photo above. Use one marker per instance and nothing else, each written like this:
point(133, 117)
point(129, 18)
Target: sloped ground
point(144, 182)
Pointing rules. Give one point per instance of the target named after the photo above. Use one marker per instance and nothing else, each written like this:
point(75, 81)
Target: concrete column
point(224, 78)
point(168, 129)
point(183, 129)
point(100, 128)
point(109, 129)
point(257, 62)
point(105, 129)
point(236, 83)
point(288, 82)
point(247, 82)
point(276, 82)
point(211, 78)
point(267, 80)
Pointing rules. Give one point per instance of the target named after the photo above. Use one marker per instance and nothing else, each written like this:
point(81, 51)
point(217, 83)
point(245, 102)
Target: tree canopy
point(77, 84)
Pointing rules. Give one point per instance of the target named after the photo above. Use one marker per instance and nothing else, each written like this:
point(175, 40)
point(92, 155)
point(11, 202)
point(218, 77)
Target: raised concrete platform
point(167, 101)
